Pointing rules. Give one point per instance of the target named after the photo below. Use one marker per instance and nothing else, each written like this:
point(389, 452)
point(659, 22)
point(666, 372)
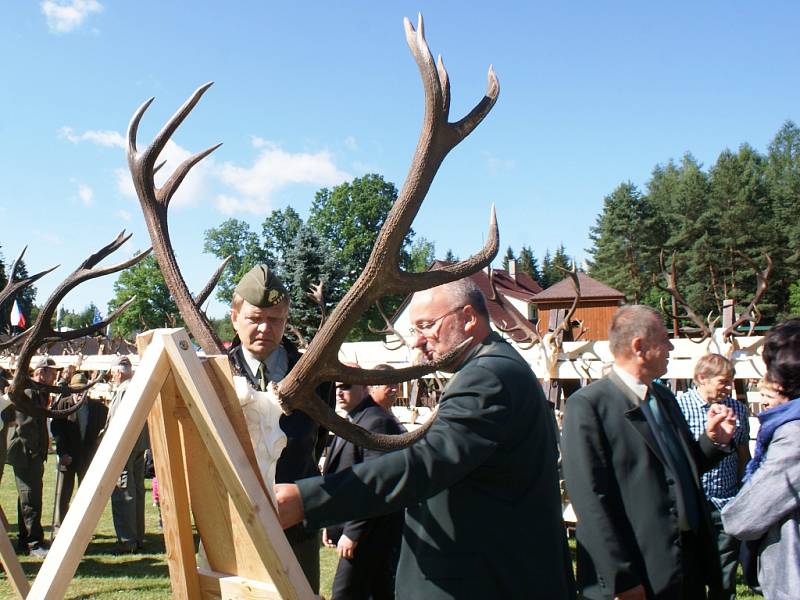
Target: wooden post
point(11, 565)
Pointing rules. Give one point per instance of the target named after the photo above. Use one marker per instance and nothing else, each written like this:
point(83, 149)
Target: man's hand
point(326, 541)
point(346, 547)
point(64, 460)
point(289, 504)
point(636, 593)
point(721, 424)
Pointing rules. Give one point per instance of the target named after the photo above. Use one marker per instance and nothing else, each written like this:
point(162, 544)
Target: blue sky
point(311, 94)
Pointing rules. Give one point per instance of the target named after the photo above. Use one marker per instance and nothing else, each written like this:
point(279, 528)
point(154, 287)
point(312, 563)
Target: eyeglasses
point(345, 387)
point(427, 326)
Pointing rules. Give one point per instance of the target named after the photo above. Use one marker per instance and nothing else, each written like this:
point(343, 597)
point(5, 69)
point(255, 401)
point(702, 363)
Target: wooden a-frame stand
point(206, 470)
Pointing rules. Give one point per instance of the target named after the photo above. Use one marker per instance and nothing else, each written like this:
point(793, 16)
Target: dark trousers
point(65, 485)
point(693, 586)
point(728, 547)
point(127, 501)
point(29, 501)
point(370, 573)
point(306, 550)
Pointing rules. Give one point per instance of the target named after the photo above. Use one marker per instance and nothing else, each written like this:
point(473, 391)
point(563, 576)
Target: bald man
point(483, 516)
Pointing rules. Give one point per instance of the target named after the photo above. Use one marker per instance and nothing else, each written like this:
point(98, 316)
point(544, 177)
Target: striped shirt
point(721, 483)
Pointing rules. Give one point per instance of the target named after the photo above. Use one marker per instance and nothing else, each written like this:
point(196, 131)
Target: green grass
point(144, 576)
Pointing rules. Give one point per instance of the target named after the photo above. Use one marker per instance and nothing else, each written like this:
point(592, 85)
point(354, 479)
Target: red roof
point(591, 289)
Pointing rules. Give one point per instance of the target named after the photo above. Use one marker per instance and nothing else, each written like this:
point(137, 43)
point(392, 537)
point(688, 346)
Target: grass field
point(143, 576)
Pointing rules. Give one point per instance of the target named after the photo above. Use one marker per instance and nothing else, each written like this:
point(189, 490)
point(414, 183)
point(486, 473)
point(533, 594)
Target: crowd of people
point(26, 442)
point(668, 499)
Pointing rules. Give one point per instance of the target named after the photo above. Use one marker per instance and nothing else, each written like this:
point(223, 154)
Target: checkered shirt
point(720, 483)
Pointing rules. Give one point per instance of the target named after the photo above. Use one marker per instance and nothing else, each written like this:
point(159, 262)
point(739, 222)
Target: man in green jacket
point(483, 515)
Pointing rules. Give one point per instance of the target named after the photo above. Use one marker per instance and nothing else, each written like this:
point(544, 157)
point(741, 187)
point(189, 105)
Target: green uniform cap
point(261, 287)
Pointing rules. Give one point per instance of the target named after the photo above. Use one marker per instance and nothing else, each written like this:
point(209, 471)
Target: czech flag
point(17, 318)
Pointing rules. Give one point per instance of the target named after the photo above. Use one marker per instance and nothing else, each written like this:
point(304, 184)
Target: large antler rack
point(42, 332)
point(381, 275)
point(706, 328)
point(751, 314)
point(566, 323)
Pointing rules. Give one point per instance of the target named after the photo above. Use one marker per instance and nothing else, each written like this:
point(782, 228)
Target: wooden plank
point(79, 524)
point(252, 503)
point(11, 565)
point(214, 585)
point(165, 441)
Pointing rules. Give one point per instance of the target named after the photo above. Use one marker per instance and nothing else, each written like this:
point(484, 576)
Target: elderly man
point(127, 498)
point(633, 470)
point(384, 395)
point(76, 439)
point(366, 547)
point(483, 515)
point(28, 442)
point(259, 311)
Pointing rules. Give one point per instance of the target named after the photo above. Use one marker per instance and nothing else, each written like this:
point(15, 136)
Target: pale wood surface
point(231, 462)
point(11, 565)
point(221, 586)
point(167, 447)
point(79, 524)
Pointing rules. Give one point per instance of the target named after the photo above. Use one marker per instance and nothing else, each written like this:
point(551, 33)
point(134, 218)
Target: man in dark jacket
point(259, 311)
point(76, 439)
point(483, 515)
point(633, 469)
point(366, 547)
point(28, 442)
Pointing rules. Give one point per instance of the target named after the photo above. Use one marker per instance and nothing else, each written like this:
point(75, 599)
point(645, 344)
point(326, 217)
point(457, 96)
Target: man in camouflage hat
point(259, 312)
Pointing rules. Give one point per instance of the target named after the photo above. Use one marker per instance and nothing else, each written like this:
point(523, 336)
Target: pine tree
point(527, 263)
point(508, 257)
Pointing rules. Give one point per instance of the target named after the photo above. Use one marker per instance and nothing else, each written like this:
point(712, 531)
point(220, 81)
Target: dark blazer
point(27, 435)
point(67, 434)
point(625, 495)
point(343, 454)
point(483, 515)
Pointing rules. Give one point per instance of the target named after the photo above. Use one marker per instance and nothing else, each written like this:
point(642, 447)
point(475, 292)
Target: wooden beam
point(240, 479)
point(11, 565)
point(78, 527)
point(165, 441)
point(214, 585)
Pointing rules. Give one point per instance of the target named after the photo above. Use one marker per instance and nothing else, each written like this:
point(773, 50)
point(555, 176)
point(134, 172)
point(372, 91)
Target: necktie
point(262, 377)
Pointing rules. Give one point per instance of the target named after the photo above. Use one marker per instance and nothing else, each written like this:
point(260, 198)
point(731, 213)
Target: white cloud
point(107, 138)
point(86, 194)
point(124, 215)
point(273, 170)
point(351, 143)
point(63, 17)
point(498, 165)
point(193, 189)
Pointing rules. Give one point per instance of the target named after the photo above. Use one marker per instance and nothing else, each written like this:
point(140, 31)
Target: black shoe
point(123, 548)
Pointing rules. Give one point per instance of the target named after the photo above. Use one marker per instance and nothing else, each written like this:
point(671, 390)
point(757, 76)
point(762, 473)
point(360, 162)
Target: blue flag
point(97, 317)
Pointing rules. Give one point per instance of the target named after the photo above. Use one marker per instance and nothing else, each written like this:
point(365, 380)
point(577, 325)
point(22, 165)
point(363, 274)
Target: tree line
point(743, 207)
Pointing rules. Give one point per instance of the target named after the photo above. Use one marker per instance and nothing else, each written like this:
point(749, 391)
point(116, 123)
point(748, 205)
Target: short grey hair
point(631, 321)
point(465, 291)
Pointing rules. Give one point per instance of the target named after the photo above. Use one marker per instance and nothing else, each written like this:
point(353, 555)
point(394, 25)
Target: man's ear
point(470, 319)
point(234, 317)
point(637, 346)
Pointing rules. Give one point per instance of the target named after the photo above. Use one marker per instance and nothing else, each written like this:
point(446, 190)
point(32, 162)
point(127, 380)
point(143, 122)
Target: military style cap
point(261, 287)
point(79, 379)
point(121, 361)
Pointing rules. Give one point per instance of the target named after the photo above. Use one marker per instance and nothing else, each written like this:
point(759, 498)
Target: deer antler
point(521, 324)
point(388, 329)
point(751, 314)
point(382, 274)
point(672, 290)
point(566, 323)
point(317, 294)
point(42, 332)
point(155, 202)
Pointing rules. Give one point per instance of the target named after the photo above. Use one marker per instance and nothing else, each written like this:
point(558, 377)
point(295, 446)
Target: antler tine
point(13, 286)
point(672, 290)
point(13, 341)
point(529, 330)
point(317, 294)
point(154, 203)
point(562, 327)
point(90, 329)
point(42, 331)
point(212, 283)
point(751, 313)
point(388, 328)
point(301, 340)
